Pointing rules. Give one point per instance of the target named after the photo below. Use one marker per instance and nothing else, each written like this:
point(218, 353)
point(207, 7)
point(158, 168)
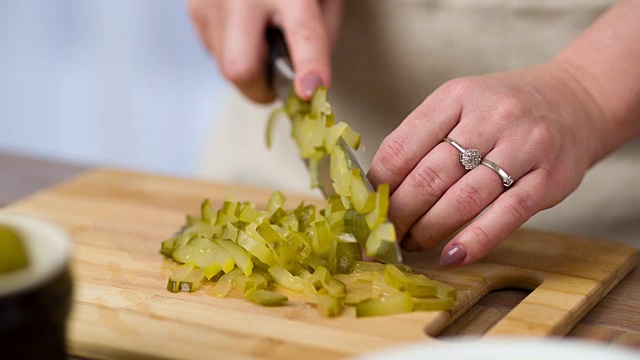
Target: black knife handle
point(277, 49)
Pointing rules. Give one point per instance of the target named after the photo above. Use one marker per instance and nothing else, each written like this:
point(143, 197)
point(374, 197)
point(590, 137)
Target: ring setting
point(469, 158)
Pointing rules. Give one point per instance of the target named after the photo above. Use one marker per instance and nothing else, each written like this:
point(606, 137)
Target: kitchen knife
point(281, 75)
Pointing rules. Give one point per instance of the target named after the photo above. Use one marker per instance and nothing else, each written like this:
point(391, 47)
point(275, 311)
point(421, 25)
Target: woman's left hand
point(539, 124)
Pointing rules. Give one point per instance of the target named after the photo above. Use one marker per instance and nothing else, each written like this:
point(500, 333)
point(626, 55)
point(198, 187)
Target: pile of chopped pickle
point(315, 253)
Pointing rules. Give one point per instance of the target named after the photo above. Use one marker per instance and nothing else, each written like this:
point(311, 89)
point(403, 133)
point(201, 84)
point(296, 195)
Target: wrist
point(578, 95)
point(603, 62)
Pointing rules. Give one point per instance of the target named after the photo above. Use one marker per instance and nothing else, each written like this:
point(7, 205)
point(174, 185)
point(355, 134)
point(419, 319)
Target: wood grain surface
point(122, 309)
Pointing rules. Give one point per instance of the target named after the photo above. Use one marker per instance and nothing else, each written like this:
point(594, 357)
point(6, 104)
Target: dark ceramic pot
point(35, 302)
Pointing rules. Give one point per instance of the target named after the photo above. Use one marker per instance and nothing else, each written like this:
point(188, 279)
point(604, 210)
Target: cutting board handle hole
point(487, 311)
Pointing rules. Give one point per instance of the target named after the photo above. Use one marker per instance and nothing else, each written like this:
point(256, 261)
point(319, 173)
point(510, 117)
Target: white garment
point(392, 54)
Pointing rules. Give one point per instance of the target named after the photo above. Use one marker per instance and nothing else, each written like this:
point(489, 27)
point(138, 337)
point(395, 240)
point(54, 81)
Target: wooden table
point(615, 320)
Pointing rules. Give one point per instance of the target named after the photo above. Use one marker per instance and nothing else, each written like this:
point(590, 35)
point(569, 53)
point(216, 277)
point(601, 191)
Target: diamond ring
point(506, 179)
point(469, 158)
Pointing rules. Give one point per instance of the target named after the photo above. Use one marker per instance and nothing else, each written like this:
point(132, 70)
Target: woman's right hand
point(234, 32)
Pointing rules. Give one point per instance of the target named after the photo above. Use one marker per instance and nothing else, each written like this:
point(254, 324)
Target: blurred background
point(119, 82)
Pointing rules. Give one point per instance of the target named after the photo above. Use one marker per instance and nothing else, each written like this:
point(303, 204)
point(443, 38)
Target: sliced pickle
point(289, 281)
point(433, 304)
point(240, 257)
point(314, 252)
point(386, 305)
point(13, 255)
point(266, 298)
point(414, 284)
point(225, 283)
point(327, 305)
point(186, 278)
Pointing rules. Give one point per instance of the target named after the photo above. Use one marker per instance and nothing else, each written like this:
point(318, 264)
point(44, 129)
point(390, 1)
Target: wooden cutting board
point(122, 309)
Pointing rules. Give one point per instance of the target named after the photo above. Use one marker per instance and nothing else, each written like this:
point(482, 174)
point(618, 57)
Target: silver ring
point(469, 158)
point(506, 179)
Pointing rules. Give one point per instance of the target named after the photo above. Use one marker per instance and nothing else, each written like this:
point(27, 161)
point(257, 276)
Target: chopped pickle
point(433, 304)
point(249, 214)
point(253, 247)
point(289, 281)
point(229, 232)
point(368, 266)
point(186, 278)
point(211, 270)
point(380, 240)
point(379, 213)
point(276, 201)
point(314, 252)
point(336, 288)
point(253, 281)
point(416, 285)
point(222, 258)
point(446, 291)
point(351, 137)
point(320, 234)
point(333, 135)
point(386, 305)
point(271, 124)
point(240, 257)
point(346, 253)
point(207, 212)
point(315, 261)
point(355, 224)
point(225, 283)
point(201, 228)
point(327, 305)
point(381, 287)
point(13, 255)
point(363, 201)
point(167, 248)
point(266, 298)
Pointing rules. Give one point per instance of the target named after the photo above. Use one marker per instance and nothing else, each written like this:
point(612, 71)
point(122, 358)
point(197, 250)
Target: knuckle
point(541, 135)
point(392, 155)
point(553, 186)
point(467, 201)
point(510, 108)
point(458, 86)
point(239, 72)
point(423, 235)
point(482, 239)
point(427, 182)
point(518, 207)
point(301, 31)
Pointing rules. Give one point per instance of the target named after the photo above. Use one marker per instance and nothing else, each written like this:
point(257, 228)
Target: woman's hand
point(234, 32)
point(539, 124)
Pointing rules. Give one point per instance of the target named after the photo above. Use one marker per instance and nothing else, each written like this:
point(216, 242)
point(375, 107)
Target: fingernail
point(454, 256)
point(309, 84)
point(410, 244)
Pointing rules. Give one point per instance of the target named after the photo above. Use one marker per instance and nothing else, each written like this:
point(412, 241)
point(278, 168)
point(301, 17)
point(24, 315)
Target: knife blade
point(281, 75)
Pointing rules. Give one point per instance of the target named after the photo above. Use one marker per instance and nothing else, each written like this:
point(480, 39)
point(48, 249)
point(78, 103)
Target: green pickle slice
point(312, 252)
point(266, 297)
point(13, 255)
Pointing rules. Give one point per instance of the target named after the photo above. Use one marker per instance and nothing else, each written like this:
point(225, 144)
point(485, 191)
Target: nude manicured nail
point(310, 83)
point(454, 256)
point(410, 244)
